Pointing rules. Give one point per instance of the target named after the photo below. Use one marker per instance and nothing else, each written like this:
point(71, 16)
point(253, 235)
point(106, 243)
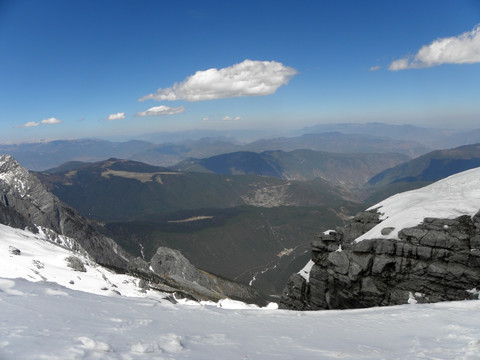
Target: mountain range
point(237, 226)
point(422, 171)
point(434, 138)
point(431, 167)
point(49, 154)
point(139, 190)
point(350, 170)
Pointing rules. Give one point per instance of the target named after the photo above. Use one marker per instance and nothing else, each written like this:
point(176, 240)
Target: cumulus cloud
point(375, 68)
point(117, 116)
point(161, 110)
point(28, 124)
point(50, 121)
point(462, 49)
point(248, 78)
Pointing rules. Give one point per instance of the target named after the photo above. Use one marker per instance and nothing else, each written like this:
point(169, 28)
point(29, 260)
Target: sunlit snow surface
point(41, 260)
point(449, 198)
point(47, 321)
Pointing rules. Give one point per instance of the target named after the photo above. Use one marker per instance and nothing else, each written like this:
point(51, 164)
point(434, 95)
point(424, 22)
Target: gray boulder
point(75, 264)
point(175, 268)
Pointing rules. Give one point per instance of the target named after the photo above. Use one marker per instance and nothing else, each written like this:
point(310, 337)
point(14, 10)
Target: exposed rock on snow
point(382, 262)
point(175, 267)
point(75, 263)
point(13, 250)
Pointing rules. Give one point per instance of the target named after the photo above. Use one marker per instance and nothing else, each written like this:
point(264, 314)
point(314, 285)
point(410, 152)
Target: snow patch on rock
point(449, 198)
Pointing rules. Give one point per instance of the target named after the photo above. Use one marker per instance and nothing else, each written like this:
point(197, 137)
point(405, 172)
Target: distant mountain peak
point(9, 164)
point(14, 178)
point(26, 201)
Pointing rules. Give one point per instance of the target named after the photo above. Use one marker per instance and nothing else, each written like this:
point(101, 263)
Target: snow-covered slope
point(449, 198)
point(42, 260)
point(49, 322)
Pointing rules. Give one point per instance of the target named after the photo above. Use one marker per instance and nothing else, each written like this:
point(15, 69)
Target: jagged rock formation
point(172, 264)
point(26, 203)
point(437, 260)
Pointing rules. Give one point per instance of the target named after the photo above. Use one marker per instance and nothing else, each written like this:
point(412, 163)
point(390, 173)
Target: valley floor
point(43, 320)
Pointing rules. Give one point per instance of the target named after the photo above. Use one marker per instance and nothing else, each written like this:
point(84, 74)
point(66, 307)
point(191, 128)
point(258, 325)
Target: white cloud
point(117, 116)
point(375, 68)
point(462, 49)
point(229, 118)
point(161, 110)
point(50, 121)
point(400, 64)
point(249, 78)
point(28, 124)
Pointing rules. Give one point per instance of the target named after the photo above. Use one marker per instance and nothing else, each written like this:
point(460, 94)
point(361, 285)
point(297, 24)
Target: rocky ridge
point(25, 203)
point(438, 260)
point(370, 263)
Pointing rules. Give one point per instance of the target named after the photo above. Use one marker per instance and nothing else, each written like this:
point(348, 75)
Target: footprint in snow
point(91, 344)
point(169, 343)
point(472, 350)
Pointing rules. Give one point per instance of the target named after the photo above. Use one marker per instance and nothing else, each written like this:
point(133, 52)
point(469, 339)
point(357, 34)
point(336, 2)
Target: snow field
point(448, 198)
point(41, 260)
point(46, 321)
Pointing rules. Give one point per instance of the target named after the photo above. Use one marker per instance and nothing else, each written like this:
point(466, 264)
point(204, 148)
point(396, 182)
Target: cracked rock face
point(171, 264)
point(438, 260)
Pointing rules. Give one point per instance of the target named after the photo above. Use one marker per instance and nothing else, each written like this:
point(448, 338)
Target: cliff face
point(437, 260)
point(26, 203)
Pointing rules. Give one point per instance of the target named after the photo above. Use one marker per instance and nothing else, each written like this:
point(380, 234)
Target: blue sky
point(72, 69)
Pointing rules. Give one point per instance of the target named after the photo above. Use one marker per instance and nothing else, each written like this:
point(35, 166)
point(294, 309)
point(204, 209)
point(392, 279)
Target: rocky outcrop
point(437, 260)
point(26, 203)
point(172, 265)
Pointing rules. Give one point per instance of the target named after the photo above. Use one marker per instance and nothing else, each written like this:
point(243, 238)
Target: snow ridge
point(39, 259)
point(449, 198)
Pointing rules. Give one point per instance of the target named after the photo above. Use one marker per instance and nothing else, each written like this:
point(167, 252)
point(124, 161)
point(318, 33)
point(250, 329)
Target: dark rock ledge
point(438, 260)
